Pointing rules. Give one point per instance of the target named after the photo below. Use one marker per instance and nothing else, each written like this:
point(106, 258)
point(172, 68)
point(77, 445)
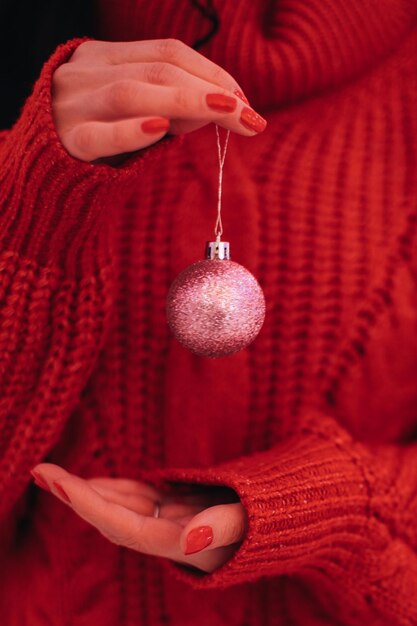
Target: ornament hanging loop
point(218, 229)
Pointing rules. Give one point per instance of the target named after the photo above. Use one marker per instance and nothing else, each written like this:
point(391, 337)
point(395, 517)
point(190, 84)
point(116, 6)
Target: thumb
point(217, 526)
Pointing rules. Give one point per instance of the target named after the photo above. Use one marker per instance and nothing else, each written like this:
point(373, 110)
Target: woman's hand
point(200, 529)
point(116, 98)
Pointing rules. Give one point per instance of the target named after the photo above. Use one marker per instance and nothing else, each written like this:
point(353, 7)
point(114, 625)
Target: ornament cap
point(218, 250)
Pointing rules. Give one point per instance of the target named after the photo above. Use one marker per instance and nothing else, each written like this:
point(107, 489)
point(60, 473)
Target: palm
point(122, 510)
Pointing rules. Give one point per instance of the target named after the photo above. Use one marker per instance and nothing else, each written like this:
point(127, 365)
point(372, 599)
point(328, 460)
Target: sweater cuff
point(306, 499)
point(54, 208)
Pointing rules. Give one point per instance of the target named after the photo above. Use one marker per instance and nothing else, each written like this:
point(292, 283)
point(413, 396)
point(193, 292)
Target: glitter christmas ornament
point(215, 306)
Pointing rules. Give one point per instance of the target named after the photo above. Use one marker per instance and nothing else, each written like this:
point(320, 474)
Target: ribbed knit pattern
point(314, 424)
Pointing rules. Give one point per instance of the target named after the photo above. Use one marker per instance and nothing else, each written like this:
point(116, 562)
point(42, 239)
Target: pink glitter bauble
point(215, 307)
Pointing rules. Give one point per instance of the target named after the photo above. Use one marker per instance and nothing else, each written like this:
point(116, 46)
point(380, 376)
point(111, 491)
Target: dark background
point(29, 32)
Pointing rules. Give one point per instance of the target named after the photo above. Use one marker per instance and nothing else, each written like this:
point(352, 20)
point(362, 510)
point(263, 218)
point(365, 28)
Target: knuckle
point(83, 141)
point(119, 93)
point(170, 49)
point(230, 534)
point(61, 74)
point(130, 541)
point(87, 49)
point(221, 77)
point(237, 532)
point(182, 100)
point(234, 530)
point(117, 539)
point(68, 76)
point(157, 73)
point(118, 138)
point(135, 538)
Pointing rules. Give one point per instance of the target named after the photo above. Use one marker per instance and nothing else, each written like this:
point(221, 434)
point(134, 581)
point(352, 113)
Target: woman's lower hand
point(192, 529)
point(113, 98)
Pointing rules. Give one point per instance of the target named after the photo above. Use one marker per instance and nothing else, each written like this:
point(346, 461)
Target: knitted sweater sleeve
point(325, 506)
point(55, 281)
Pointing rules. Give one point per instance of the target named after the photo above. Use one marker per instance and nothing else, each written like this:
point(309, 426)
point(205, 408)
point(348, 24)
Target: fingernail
point(219, 102)
point(157, 125)
point(39, 481)
point(252, 120)
point(198, 539)
point(241, 95)
point(61, 491)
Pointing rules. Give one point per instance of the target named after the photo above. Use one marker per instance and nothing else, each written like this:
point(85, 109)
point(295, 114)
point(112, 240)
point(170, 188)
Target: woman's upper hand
point(112, 98)
point(201, 529)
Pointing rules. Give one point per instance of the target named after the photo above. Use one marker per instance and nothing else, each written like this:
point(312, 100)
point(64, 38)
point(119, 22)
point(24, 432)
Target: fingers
point(93, 76)
point(215, 527)
point(120, 525)
point(138, 502)
point(102, 132)
point(125, 485)
point(187, 99)
point(167, 51)
point(92, 140)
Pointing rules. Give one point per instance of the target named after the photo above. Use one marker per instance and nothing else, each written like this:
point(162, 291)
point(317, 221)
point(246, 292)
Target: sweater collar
point(279, 51)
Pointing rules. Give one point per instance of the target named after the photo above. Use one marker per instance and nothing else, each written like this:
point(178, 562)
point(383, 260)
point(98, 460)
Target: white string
point(218, 229)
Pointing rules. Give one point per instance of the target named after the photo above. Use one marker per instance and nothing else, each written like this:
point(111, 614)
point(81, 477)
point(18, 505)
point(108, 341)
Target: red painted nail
point(219, 102)
point(157, 125)
point(41, 485)
point(241, 95)
point(61, 491)
point(199, 538)
point(252, 120)
point(39, 481)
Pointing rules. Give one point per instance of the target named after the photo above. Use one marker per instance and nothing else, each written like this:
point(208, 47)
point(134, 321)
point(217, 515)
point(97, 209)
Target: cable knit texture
point(314, 425)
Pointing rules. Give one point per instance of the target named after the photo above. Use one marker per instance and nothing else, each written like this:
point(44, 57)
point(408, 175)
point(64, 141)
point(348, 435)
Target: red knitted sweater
point(314, 425)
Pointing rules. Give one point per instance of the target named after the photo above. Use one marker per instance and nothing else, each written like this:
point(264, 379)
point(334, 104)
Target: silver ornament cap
point(218, 250)
point(215, 307)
